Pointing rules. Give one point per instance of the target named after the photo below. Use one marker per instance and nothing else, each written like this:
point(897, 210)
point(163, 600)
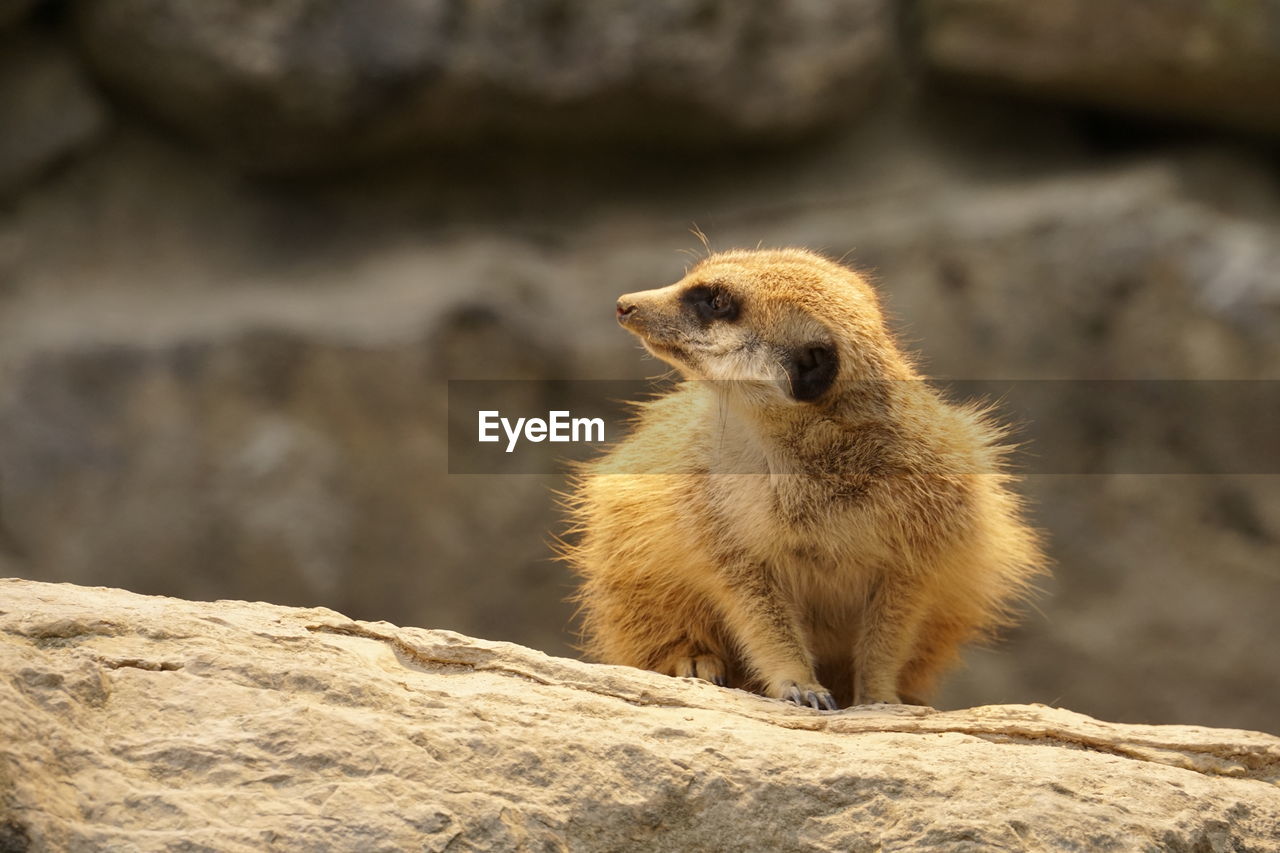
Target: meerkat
point(802, 516)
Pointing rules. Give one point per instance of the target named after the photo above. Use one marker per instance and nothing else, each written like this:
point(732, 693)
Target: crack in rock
point(1259, 762)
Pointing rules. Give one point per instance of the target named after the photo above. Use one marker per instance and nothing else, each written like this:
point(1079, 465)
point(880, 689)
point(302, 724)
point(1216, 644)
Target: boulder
point(289, 86)
point(1198, 59)
point(155, 723)
point(47, 109)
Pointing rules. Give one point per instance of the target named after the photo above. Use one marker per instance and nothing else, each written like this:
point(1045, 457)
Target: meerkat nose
point(626, 310)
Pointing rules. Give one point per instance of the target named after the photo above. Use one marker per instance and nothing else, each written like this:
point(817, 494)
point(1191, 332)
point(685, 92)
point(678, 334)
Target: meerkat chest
point(788, 521)
point(785, 511)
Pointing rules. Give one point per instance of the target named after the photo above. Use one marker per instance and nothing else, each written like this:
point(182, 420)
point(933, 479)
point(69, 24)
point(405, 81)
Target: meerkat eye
point(711, 303)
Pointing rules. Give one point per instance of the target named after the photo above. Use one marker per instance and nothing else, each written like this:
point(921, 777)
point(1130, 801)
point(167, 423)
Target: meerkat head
point(786, 320)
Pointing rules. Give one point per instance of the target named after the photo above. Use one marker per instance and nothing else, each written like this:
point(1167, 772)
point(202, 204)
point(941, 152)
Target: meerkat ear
point(811, 370)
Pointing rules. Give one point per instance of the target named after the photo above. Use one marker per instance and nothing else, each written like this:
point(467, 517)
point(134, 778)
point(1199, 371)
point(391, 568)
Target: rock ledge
point(156, 723)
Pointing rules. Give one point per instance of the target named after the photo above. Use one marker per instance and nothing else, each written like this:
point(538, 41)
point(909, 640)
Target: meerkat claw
point(708, 667)
point(821, 701)
point(818, 700)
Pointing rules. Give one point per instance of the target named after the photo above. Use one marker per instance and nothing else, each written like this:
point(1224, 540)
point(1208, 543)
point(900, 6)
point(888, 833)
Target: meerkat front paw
point(702, 665)
point(707, 667)
point(813, 695)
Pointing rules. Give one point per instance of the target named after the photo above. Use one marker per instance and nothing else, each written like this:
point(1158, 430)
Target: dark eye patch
point(711, 302)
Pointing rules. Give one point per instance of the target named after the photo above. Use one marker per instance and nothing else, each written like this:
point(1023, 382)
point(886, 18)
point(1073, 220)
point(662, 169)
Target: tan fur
point(850, 543)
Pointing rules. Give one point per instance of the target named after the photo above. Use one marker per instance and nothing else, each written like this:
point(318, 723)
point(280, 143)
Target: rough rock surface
point(154, 723)
point(47, 110)
point(1203, 59)
point(294, 85)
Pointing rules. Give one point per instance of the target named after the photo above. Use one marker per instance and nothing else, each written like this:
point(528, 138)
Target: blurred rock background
point(243, 244)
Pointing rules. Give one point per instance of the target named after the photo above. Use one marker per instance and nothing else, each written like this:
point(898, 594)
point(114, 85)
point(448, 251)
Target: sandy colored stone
point(154, 723)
